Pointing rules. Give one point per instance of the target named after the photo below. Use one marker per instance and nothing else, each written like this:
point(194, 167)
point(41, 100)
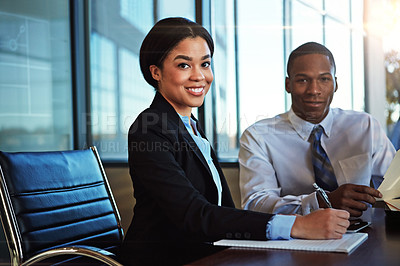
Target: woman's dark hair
point(310, 48)
point(165, 36)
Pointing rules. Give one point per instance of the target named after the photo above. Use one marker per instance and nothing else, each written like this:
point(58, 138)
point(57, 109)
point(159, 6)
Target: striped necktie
point(324, 175)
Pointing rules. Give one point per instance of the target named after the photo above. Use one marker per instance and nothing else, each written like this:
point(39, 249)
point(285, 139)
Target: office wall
point(121, 186)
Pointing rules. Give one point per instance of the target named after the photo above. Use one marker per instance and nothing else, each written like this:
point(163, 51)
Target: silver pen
point(323, 195)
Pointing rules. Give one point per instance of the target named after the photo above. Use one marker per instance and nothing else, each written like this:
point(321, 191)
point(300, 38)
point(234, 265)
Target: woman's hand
point(321, 224)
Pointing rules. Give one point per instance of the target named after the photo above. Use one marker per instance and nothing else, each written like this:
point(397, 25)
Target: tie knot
point(316, 133)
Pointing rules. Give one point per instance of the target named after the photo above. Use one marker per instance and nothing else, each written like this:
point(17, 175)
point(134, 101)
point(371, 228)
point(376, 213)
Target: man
point(280, 158)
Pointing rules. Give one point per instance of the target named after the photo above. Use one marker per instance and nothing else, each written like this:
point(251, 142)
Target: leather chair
point(58, 206)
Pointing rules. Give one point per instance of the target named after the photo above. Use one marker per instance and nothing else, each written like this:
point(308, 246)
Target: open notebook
point(346, 244)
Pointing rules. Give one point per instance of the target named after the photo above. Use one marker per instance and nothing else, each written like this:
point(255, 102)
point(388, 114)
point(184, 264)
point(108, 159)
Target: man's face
point(311, 83)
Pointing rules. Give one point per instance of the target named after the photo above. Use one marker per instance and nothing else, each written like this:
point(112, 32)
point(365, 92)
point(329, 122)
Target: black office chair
point(58, 204)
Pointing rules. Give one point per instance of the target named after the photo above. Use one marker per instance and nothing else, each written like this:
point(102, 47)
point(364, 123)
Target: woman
point(182, 199)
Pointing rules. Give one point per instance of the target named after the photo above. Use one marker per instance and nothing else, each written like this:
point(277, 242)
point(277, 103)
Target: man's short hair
point(310, 48)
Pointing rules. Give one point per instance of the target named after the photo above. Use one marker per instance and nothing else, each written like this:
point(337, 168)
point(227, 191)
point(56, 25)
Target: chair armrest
point(86, 251)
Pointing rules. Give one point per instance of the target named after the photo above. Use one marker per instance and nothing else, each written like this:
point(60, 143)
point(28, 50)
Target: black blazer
point(176, 197)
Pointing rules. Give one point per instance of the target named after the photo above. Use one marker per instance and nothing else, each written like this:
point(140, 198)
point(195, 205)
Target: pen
point(323, 195)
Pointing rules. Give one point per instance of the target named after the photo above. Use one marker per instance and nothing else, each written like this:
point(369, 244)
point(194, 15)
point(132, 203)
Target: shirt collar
point(304, 128)
point(189, 124)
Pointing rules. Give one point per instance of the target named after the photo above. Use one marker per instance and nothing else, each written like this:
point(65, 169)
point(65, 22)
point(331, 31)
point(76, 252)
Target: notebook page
point(349, 244)
point(346, 244)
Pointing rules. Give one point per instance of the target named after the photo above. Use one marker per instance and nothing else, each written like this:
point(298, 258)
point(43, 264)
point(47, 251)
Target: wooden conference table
point(382, 248)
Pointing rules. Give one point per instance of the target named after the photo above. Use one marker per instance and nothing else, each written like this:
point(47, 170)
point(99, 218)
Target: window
point(118, 90)
point(35, 76)
point(335, 31)
point(253, 39)
point(175, 8)
point(222, 120)
point(306, 24)
point(258, 61)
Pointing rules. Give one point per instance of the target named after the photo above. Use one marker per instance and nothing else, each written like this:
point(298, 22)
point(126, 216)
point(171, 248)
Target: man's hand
point(321, 224)
point(353, 198)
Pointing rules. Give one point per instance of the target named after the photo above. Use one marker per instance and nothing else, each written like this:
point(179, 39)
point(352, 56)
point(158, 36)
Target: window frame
point(80, 62)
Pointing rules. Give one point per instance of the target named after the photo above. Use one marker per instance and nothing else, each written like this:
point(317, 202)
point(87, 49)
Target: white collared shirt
point(276, 173)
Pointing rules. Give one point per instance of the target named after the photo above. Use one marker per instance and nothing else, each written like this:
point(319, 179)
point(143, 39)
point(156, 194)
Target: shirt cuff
point(309, 203)
point(280, 226)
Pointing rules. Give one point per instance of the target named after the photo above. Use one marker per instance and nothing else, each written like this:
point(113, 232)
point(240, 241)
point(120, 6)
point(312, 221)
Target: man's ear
point(155, 72)
point(336, 87)
point(287, 85)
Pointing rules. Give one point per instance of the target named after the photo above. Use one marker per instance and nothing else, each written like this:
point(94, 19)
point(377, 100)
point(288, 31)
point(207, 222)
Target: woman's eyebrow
point(185, 57)
point(188, 58)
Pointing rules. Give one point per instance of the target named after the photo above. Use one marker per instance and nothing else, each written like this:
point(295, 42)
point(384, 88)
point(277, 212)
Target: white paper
point(390, 187)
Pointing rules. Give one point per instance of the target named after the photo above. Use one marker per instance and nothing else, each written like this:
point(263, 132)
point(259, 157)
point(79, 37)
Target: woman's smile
point(196, 91)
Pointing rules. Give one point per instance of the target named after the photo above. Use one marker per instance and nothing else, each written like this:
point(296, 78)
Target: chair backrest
point(55, 199)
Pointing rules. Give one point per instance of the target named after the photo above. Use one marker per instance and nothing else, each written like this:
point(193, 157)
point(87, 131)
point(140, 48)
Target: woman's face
point(186, 75)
